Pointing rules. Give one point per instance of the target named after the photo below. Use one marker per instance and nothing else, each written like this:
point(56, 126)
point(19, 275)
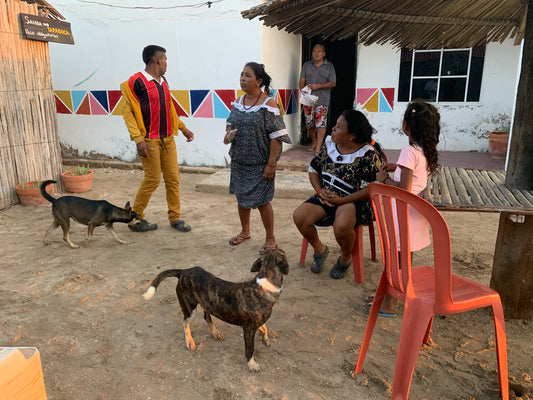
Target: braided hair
point(423, 123)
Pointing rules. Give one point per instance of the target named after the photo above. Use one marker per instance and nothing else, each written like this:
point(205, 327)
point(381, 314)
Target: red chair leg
point(501, 348)
point(358, 264)
point(303, 251)
point(372, 236)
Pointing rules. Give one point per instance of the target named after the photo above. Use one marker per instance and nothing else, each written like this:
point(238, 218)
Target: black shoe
point(339, 270)
point(141, 225)
point(318, 261)
point(181, 225)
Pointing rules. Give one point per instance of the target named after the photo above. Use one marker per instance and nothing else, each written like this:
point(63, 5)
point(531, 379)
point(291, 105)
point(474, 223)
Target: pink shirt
point(412, 157)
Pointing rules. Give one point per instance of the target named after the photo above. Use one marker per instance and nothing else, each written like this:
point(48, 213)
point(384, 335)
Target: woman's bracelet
point(387, 180)
point(318, 190)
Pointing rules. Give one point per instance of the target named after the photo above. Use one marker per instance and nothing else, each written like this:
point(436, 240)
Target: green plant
point(31, 185)
point(81, 170)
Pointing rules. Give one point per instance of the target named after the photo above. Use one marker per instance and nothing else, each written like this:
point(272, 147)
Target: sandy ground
point(99, 339)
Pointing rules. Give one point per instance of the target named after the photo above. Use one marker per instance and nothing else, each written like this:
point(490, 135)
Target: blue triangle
point(383, 103)
point(101, 97)
point(77, 98)
point(291, 104)
point(221, 111)
point(197, 96)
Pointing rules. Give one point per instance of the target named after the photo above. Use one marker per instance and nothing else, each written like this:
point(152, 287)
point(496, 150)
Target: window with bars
point(444, 75)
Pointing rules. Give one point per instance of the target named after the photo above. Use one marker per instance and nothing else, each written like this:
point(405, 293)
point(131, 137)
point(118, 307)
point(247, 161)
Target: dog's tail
point(45, 194)
point(158, 279)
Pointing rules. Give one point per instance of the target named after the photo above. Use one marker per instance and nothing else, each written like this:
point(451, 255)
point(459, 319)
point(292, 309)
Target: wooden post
point(512, 272)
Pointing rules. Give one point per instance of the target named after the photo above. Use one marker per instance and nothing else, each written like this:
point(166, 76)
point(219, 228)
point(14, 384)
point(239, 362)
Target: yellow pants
point(161, 159)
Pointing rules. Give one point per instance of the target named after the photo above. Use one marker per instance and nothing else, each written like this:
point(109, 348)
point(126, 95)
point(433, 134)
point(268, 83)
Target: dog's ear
point(256, 266)
point(127, 207)
point(281, 261)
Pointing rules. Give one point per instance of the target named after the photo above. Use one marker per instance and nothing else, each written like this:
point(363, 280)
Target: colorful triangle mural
point(84, 108)
point(66, 98)
point(183, 99)
point(96, 107)
point(205, 110)
point(101, 97)
point(372, 104)
point(389, 95)
point(179, 109)
point(383, 103)
point(220, 108)
point(61, 108)
point(77, 98)
point(226, 96)
point(197, 97)
point(113, 98)
point(119, 107)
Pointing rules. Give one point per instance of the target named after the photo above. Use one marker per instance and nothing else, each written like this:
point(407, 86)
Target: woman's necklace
point(244, 101)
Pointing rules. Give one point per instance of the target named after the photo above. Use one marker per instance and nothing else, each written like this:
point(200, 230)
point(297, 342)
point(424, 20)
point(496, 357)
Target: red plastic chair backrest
point(391, 206)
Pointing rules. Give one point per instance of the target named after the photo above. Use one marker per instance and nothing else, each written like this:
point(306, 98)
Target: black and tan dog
point(247, 304)
point(92, 213)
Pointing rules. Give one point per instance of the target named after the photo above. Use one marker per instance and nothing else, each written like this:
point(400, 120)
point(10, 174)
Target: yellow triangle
point(64, 96)
point(240, 93)
point(119, 108)
point(182, 97)
point(372, 103)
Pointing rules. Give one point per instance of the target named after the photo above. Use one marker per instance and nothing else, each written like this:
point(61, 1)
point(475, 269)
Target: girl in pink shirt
point(421, 124)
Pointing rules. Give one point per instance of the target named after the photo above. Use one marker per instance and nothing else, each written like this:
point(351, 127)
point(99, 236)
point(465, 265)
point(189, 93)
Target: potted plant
point(29, 193)
point(78, 180)
point(498, 141)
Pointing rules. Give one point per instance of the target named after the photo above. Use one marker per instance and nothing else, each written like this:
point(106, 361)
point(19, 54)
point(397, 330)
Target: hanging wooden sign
point(44, 29)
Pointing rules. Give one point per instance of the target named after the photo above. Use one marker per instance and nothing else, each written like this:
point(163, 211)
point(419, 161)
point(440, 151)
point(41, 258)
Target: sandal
point(366, 309)
point(318, 261)
point(238, 239)
point(141, 225)
point(265, 248)
point(181, 225)
point(339, 270)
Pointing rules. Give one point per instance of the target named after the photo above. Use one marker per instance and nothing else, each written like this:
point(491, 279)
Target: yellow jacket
point(133, 116)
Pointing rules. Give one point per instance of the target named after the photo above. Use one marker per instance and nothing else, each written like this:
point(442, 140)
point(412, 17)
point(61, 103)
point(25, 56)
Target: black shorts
point(330, 211)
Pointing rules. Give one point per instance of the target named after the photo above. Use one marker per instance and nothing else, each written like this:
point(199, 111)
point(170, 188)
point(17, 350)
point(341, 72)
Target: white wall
point(282, 54)
point(464, 126)
point(206, 49)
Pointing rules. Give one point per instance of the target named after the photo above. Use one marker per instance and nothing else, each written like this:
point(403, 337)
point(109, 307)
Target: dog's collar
point(267, 285)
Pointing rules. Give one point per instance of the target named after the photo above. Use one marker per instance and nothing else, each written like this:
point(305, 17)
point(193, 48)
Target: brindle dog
point(247, 304)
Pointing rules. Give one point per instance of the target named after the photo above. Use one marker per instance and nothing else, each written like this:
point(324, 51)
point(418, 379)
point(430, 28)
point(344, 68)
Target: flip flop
point(366, 309)
point(236, 240)
point(263, 249)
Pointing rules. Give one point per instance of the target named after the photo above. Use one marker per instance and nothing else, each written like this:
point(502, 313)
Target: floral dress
point(250, 149)
point(345, 174)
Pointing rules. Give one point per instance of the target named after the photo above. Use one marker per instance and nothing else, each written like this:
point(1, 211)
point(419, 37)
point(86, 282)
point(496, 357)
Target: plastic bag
point(306, 98)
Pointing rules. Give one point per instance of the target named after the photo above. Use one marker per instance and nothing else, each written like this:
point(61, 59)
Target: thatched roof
point(405, 23)
point(46, 9)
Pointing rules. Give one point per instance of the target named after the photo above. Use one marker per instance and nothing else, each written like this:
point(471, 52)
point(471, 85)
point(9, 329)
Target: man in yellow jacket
point(152, 122)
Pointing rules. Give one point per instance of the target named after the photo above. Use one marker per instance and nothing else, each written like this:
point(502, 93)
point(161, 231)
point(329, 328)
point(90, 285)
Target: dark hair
point(150, 51)
point(260, 73)
point(359, 126)
point(423, 122)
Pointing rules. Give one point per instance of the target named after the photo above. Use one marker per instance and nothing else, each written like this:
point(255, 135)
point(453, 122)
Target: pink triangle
point(96, 107)
point(364, 94)
point(205, 110)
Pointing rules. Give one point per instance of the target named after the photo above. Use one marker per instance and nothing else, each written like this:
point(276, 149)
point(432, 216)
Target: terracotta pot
point(30, 195)
point(77, 183)
point(498, 144)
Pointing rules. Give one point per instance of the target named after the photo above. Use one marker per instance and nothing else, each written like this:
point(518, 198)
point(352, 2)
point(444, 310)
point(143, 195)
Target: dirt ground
point(99, 339)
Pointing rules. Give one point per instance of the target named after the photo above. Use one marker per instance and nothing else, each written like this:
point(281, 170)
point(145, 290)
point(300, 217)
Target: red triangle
point(61, 108)
point(285, 96)
point(389, 95)
point(114, 97)
point(179, 109)
point(227, 96)
point(84, 107)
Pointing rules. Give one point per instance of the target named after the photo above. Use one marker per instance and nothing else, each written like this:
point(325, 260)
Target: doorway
point(343, 55)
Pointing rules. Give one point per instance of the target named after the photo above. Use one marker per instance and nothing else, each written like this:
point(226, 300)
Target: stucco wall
point(206, 50)
point(465, 126)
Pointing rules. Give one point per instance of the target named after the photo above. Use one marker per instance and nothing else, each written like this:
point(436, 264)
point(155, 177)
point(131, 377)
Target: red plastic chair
point(358, 264)
point(425, 290)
